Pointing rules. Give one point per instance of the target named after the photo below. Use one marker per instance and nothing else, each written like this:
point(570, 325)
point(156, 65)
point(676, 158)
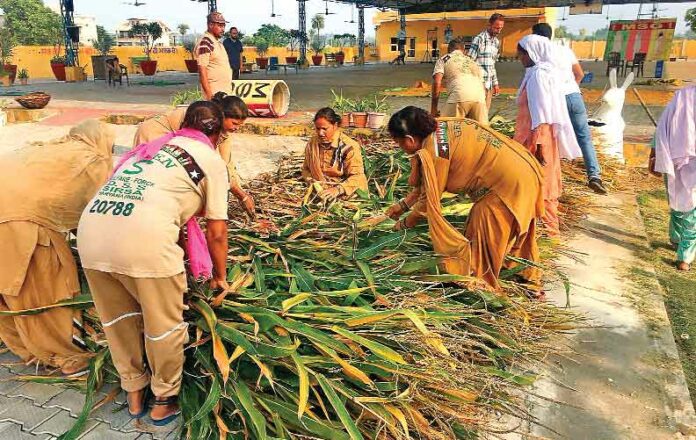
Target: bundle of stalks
point(337, 327)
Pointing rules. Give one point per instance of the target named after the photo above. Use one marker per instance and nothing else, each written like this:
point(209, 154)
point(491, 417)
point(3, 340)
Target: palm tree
point(318, 23)
point(183, 30)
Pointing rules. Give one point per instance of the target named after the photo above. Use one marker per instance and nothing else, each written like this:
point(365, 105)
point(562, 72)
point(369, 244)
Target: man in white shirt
point(466, 96)
point(568, 63)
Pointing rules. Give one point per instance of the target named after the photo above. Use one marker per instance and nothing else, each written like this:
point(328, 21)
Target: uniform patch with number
point(185, 160)
point(442, 146)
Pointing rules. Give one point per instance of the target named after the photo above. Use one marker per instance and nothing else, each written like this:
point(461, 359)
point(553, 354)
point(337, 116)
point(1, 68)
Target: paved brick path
point(41, 411)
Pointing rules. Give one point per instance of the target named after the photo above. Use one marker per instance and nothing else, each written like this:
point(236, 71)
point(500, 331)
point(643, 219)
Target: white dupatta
point(547, 104)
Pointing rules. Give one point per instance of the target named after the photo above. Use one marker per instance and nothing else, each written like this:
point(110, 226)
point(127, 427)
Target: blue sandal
point(167, 420)
point(142, 412)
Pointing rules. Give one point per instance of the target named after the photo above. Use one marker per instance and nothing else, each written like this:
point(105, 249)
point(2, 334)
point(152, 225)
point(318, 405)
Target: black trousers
point(235, 73)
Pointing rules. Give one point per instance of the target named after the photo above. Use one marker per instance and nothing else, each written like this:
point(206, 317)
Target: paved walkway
point(624, 380)
point(41, 411)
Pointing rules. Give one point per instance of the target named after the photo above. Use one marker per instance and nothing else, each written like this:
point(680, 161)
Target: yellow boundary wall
point(36, 59)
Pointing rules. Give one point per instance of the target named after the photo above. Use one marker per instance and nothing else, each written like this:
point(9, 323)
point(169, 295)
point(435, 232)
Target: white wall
point(88, 29)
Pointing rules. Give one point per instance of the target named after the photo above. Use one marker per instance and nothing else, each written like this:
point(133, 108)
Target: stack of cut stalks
point(337, 327)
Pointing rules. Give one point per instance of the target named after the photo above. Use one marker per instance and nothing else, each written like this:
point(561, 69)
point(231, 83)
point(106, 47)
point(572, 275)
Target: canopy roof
point(425, 6)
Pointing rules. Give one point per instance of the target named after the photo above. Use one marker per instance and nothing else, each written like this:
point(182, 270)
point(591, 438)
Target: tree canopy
point(690, 19)
point(32, 23)
point(272, 34)
point(104, 42)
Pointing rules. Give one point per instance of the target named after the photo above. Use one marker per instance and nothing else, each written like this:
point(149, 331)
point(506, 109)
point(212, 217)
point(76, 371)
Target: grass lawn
point(680, 287)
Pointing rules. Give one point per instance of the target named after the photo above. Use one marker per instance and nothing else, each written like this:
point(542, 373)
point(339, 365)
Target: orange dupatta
point(453, 248)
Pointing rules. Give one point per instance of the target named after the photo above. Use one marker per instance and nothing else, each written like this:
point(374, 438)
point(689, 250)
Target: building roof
point(423, 6)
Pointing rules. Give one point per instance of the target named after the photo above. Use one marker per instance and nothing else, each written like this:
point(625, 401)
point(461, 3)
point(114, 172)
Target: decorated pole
point(361, 34)
point(302, 28)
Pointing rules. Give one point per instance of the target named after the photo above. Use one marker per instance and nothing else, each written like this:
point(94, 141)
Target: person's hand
point(219, 283)
point(401, 225)
point(435, 113)
point(496, 90)
point(331, 194)
point(248, 204)
point(394, 212)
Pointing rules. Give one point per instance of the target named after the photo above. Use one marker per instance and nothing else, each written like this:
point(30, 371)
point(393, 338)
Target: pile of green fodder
point(338, 327)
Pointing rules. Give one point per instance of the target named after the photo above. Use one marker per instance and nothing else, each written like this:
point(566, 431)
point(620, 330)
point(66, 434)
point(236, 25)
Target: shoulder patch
point(442, 147)
point(446, 58)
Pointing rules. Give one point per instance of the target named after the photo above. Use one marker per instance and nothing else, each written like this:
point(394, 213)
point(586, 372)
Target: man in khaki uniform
point(213, 64)
point(466, 96)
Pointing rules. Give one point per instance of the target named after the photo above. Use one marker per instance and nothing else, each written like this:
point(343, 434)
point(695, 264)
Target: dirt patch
point(124, 119)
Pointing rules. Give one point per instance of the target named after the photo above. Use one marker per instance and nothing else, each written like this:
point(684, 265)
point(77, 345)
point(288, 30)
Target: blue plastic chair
point(273, 63)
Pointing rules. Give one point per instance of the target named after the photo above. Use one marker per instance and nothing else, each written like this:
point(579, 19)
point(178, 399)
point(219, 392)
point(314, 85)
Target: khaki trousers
point(494, 233)
point(467, 109)
point(51, 337)
point(489, 98)
point(143, 316)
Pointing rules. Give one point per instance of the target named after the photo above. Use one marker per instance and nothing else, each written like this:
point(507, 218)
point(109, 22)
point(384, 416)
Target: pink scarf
point(196, 246)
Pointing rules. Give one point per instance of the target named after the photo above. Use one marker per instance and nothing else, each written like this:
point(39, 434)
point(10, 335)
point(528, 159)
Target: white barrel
point(265, 98)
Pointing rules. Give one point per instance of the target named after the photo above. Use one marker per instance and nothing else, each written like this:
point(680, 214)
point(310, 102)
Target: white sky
point(248, 15)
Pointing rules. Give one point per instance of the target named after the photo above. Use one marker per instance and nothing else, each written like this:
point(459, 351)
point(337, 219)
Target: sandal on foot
point(170, 418)
point(143, 411)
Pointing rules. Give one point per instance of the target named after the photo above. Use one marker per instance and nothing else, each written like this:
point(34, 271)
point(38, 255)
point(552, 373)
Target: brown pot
point(192, 66)
point(58, 71)
point(340, 58)
point(345, 119)
point(148, 67)
point(291, 60)
point(262, 62)
point(12, 70)
point(316, 59)
point(360, 119)
point(24, 81)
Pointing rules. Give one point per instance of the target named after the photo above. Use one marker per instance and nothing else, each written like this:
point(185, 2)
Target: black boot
point(596, 185)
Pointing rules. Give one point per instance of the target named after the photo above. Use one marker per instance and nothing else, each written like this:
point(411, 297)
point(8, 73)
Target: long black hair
point(232, 106)
point(411, 121)
point(204, 116)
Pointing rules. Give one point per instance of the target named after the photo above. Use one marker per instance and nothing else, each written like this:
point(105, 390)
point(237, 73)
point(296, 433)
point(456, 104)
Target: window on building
point(394, 45)
point(411, 52)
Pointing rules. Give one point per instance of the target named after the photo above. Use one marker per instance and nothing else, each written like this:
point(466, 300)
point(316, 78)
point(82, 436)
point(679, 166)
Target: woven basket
point(34, 100)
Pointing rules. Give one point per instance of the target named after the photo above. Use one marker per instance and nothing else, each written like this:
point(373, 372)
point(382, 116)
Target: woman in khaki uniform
point(44, 190)
point(333, 159)
point(236, 113)
point(128, 239)
point(500, 175)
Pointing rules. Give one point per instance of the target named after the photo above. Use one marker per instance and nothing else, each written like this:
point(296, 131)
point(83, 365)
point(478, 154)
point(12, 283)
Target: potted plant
point(317, 47)
point(341, 40)
point(7, 45)
point(342, 106)
point(149, 33)
point(4, 76)
point(360, 113)
point(191, 63)
point(23, 76)
point(296, 38)
point(377, 109)
point(103, 45)
point(58, 67)
point(261, 50)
